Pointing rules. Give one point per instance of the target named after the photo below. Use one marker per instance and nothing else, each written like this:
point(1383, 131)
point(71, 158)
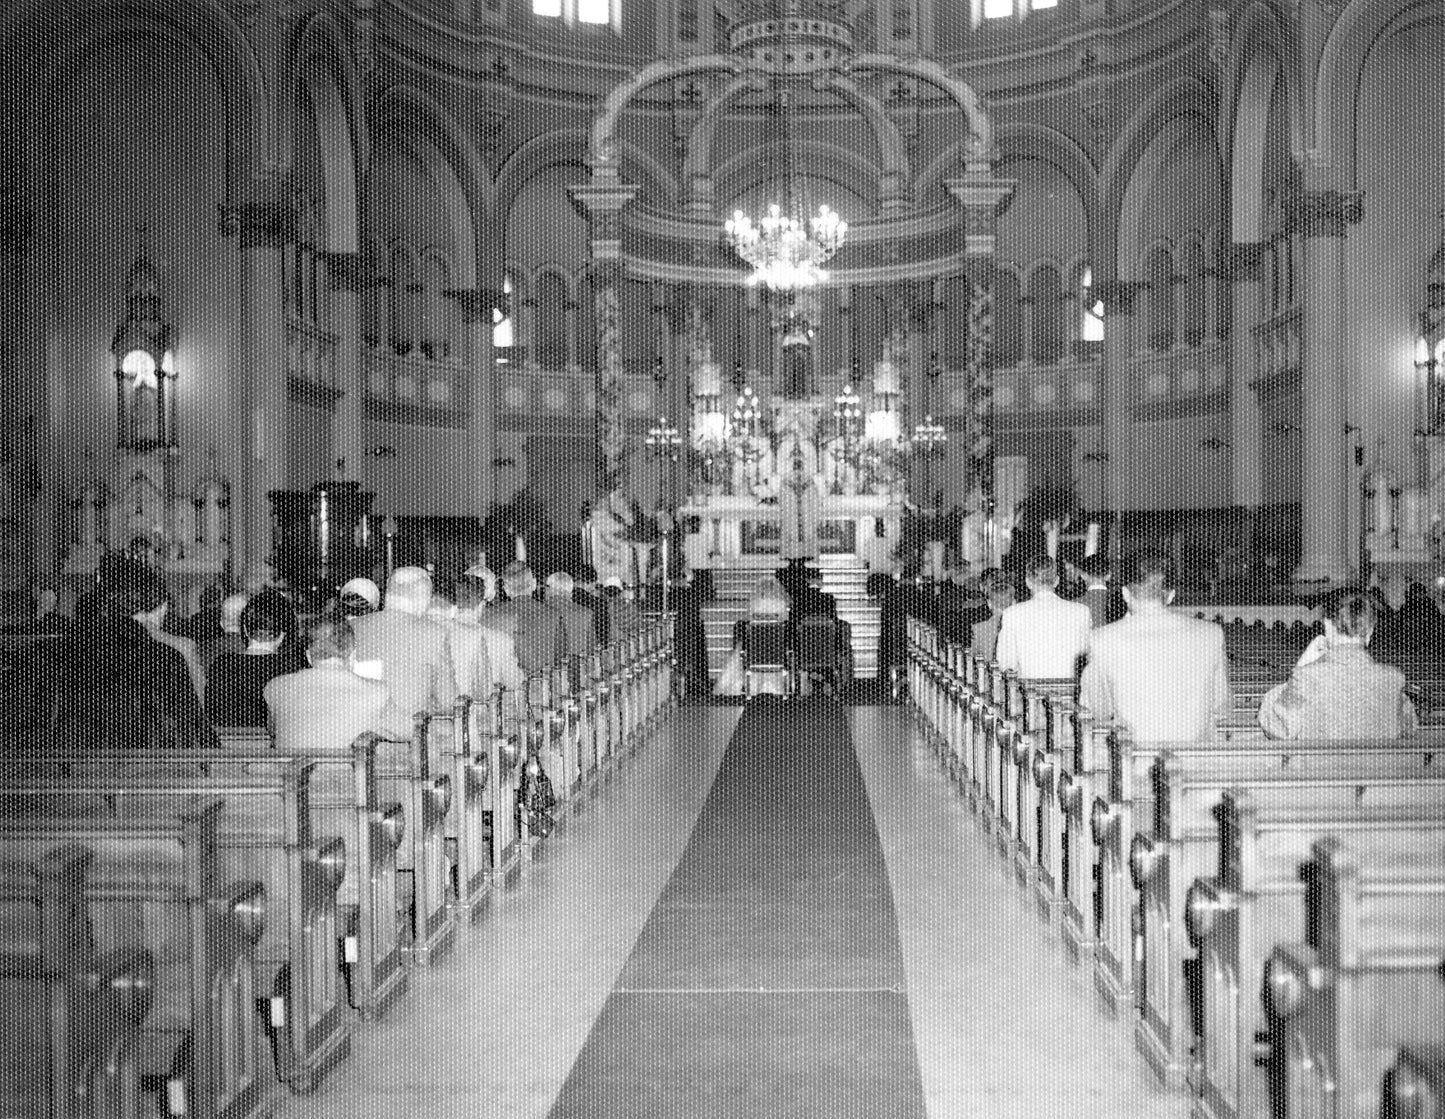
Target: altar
point(730, 527)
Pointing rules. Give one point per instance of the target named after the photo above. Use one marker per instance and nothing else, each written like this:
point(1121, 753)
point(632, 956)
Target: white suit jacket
point(1160, 673)
point(1043, 637)
point(415, 655)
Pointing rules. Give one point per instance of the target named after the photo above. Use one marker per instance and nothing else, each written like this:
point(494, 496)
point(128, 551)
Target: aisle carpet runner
point(768, 980)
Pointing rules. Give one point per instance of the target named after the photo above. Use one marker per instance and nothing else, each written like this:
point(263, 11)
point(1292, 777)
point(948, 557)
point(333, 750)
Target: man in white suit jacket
point(415, 654)
point(1159, 673)
point(1043, 637)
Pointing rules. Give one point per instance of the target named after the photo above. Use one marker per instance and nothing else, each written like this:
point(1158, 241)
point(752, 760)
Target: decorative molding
point(984, 199)
point(414, 415)
point(1324, 213)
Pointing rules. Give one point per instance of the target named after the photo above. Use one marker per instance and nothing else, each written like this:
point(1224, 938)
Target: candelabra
point(664, 441)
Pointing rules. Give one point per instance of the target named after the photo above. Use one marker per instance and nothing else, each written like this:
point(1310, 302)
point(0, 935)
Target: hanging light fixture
point(787, 252)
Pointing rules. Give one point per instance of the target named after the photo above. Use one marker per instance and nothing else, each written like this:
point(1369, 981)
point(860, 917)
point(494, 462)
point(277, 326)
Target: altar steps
point(842, 577)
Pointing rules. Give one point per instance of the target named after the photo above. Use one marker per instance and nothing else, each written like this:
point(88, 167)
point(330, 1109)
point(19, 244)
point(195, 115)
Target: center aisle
point(769, 979)
point(492, 1029)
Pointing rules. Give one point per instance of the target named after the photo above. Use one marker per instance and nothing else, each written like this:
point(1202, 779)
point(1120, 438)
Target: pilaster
point(1322, 218)
point(1242, 272)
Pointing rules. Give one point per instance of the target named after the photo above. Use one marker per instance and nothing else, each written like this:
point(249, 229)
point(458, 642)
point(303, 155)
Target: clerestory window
point(589, 13)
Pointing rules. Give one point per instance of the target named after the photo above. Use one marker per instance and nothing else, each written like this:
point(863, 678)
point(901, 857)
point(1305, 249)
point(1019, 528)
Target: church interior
point(671, 296)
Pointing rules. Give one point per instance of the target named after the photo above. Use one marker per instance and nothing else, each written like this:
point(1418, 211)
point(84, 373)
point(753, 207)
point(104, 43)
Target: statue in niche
point(797, 356)
point(143, 402)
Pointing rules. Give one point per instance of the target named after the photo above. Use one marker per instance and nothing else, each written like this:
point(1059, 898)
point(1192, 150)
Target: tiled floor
point(1004, 1026)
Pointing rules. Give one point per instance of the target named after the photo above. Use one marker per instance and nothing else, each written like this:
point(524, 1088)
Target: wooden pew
point(458, 741)
point(1124, 803)
point(1258, 899)
point(1369, 983)
point(263, 832)
point(1032, 710)
point(152, 885)
point(1371, 784)
point(72, 1016)
point(1415, 1084)
point(342, 804)
point(506, 747)
point(403, 775)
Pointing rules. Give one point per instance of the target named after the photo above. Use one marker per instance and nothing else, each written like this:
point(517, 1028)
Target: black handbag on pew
point(538, 799)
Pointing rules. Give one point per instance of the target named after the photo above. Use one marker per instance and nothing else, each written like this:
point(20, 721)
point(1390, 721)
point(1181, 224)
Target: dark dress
point(236, 680)
point(116, 687)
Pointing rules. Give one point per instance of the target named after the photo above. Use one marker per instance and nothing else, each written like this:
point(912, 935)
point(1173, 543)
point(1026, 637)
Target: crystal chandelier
point(787, 252)
point(786, 256)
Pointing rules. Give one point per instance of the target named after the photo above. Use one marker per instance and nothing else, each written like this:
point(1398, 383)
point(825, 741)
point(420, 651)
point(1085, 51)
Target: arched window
point(1046, 328)
point(591, 13)
point(1091, 308)
point(1159, 273)
point(503, 334)
point(1007, 327)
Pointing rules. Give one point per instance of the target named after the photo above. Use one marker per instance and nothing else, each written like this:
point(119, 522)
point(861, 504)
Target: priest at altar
point(800, 507)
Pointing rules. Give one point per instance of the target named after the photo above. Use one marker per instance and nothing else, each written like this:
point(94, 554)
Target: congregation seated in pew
point(115, 681)
point(414, 650)
point(327, 705)
point(1043, 637)
point(1160, 674)
point(535, 628)
point(236, 680)
point(1337, 689)
point(579, 627)
point(470, 653)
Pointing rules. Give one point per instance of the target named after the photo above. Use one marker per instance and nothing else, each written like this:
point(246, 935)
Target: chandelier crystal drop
point(784, 255)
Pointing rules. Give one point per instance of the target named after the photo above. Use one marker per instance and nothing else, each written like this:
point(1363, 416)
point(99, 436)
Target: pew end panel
point(152, 886)
point(1342, 1007)
point(72, 1017)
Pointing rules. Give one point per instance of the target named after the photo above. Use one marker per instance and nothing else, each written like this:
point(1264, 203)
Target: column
point(1242, 272)
point(1321, 217)
point(602, 200)
point(31, 383)
point(348, 275)
point(263, 230)
point(1119, 298)
point(476, 307)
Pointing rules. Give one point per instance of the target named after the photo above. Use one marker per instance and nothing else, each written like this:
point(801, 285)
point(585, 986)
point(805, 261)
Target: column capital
point(984, 199)
point(1324, 213)
point(1241, 262)
point(258, 224)
point(602, 203)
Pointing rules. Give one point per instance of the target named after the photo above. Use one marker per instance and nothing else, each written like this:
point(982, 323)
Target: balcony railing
point(413, 387)
point(311, 358)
